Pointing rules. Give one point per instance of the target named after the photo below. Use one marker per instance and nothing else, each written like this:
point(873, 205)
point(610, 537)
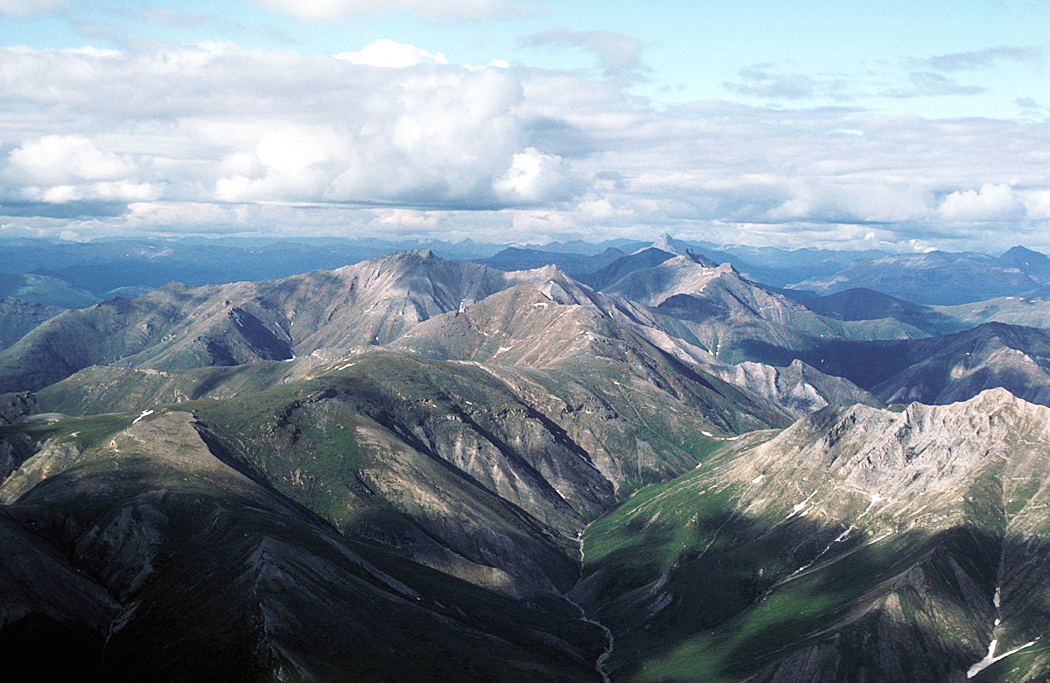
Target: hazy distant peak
point(668, 244)
point(1025, 258)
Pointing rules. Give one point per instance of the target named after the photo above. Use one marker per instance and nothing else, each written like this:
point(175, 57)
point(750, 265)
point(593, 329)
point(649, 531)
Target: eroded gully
point(599, 664)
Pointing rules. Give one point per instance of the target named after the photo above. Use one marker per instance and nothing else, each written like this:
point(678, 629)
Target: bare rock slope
point(859, 544)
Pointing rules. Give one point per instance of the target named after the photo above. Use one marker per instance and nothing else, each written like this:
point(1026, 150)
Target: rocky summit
point(637, 465)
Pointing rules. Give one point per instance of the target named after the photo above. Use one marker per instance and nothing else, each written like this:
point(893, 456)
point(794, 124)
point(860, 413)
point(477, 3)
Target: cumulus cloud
point(58, 169)
point(216, 138)
point(320, 10)
point(218, 123)
point(536, 178)
point(993, 202)
point(63, 159)
point(387, 53)
point(290, 163)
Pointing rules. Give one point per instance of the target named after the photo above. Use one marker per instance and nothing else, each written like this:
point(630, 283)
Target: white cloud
point(1037, 203)
point(993, 202)
point(65, 159)
point(213, 137)
point(58, 169)
point(387, 53)
point(535, 178)
point(836, 200)
point(319, 10)
point(292, 163)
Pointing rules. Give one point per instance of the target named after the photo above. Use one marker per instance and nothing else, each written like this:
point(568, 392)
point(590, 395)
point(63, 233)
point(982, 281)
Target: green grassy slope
point(857, 545)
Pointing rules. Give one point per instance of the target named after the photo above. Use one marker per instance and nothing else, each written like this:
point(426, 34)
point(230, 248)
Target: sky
point(903, 126)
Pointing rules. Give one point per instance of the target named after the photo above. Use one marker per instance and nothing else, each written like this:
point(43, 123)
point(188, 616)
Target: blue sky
point(904, 126)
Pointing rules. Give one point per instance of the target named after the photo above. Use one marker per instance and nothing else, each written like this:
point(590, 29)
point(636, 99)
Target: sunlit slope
point(714, 307)
point(466, 450)
point(859, 544)
point(178, 327)
point(490, 470)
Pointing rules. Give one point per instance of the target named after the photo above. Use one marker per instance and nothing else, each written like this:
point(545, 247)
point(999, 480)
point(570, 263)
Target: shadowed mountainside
point(155, 558)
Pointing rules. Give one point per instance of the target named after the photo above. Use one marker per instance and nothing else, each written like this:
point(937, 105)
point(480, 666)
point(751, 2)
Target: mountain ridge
point(485, 475)
point(895, 524)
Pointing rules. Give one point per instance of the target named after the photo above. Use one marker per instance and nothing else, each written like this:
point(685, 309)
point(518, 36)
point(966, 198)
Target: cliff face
point(858, 544)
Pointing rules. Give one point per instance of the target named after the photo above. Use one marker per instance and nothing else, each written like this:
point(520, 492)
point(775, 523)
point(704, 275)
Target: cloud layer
point(393, 139)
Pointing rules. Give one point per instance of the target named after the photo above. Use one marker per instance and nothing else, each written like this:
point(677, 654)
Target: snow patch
point(875, 500)
point(991, 657)
point(796, 509)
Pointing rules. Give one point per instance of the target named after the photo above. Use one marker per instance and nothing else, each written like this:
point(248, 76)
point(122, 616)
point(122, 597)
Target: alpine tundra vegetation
point(416, 468)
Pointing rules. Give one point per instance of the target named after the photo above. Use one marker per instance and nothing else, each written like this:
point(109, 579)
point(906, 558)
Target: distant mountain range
point(631, 463)
point(943, 278)
point(92, 271)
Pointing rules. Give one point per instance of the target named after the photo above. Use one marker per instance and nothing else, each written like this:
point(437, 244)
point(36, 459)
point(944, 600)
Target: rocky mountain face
point(420, 469)
point(717, 309)
point(320, 315)
point(179, 327)
point(797, 389)
point(860, 544)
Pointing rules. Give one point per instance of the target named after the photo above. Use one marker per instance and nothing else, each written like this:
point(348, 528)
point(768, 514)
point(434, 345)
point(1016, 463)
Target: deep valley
point(629, 465)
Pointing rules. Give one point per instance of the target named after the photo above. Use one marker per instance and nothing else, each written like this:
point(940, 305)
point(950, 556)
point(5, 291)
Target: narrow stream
point(599, 664)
